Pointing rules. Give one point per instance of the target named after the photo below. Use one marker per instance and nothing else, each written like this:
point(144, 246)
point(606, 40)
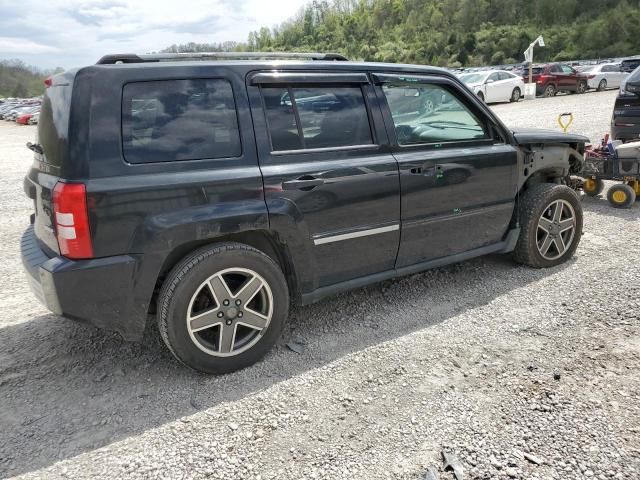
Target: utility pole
point(528, 57)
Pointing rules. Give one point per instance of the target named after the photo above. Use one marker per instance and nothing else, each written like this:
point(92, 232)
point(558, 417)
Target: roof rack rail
point(171, 57)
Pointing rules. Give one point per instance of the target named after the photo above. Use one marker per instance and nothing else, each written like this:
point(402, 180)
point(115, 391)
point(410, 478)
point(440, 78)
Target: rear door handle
point(302, 183)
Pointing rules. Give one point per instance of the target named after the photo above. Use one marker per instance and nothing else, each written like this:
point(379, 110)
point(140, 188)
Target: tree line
point(451, 33)
point(20, 80)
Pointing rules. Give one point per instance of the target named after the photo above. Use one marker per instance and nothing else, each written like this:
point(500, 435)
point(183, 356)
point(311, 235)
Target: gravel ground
point(520, 373)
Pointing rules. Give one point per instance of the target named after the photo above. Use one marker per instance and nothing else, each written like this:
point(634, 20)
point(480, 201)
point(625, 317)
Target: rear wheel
point(602, 85)
point(223, 307)
point(582, 87)
point(550, 218)
point(621, 195)
point(515, 95)
point(549, 91)
point(593, 187)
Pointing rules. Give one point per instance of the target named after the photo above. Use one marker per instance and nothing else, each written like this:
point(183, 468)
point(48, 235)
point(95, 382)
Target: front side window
point(173, 120)
point(316, 117)
point(566, 69)
point(431, 114)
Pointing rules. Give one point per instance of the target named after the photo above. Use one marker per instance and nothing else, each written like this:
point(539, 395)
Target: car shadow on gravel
point(68, 388)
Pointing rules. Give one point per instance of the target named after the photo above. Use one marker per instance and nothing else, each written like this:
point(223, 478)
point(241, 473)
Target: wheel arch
point(263, 240)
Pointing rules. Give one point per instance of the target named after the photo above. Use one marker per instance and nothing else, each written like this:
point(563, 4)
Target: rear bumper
point(97, 291)
point(625, 133)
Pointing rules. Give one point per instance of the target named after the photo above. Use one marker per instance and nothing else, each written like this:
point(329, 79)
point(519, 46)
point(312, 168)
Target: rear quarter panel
point(154, 208)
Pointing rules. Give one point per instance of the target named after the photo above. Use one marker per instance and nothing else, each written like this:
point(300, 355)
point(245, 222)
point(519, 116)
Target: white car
point(495, 85)
point(604, 75)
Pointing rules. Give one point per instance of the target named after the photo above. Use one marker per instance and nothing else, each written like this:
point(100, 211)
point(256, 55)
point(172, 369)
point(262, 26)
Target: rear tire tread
point(176, 276)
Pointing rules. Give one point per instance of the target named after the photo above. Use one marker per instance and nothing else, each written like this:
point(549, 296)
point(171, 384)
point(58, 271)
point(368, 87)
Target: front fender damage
point(550, 162)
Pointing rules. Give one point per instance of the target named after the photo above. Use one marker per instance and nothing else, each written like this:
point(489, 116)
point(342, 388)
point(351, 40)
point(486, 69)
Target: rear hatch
point(535, 71)
point(626, 111)
point(51, 152)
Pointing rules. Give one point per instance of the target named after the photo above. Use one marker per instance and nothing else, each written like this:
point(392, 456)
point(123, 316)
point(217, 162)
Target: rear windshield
point(174, 120)
point(629, 65)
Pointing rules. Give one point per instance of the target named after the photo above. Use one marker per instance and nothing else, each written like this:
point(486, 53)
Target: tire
point(515, 95)
point(542, 242)
point(188, 291)
point(481, 96)
point(593, 187)
point(549, 91)
point(582, 87)
point(602, 85)
point(621, 195)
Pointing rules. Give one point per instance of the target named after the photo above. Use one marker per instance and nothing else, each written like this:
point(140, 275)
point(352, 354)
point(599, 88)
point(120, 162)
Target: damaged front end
point(549, 156)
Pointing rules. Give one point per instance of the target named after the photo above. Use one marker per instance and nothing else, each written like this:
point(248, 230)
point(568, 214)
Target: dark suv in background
point(625, 122)
point(628, 65)
point(552, 78)
point(211, 193)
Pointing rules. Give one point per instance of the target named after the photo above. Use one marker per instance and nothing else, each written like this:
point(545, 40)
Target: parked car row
point(501, 83)
point(24, 111)
point(504, 86)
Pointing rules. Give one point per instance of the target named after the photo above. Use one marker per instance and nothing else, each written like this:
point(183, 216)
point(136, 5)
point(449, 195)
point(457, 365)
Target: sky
point(72, 33)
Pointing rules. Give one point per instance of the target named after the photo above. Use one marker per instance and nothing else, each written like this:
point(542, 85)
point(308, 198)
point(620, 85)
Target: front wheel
point(515, 95)
point(481, 96)
point(593, 187)
point(550, 218)
point(223, 307)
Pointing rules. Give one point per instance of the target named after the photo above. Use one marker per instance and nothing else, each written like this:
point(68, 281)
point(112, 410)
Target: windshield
point(473, 77)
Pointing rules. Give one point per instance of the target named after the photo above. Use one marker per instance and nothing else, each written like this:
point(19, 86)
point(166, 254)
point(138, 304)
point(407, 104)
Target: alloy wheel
point(229, 312)
point(556, 229)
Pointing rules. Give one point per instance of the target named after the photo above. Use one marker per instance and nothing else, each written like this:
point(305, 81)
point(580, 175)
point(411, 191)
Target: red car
point(24, 119)
point(552, 78)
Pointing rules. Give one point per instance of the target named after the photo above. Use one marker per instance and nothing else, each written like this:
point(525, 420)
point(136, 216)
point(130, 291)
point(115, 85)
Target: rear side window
point(173, 120)
point(316, 117)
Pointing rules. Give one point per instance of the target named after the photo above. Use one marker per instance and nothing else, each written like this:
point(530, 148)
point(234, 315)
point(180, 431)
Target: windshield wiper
point(442, 124)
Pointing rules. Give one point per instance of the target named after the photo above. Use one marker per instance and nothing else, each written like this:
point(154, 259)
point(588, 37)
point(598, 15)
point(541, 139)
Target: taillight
point(48, 82)
point(72, 220)
point(590, 77)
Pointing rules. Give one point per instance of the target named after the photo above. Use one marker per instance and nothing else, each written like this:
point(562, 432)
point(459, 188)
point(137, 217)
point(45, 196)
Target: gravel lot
point(520, 373)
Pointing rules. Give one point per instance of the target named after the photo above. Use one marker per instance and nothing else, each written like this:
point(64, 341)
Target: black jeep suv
point(212, 192)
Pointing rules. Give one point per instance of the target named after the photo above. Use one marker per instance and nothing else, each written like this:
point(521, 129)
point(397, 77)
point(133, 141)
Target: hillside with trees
point(18, 79)
point(453, 32)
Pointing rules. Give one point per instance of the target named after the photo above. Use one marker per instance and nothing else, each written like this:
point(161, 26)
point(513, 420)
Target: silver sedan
point(604, 75)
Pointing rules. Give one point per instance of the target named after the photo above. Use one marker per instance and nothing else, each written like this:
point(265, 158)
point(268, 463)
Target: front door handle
point(302, 183)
